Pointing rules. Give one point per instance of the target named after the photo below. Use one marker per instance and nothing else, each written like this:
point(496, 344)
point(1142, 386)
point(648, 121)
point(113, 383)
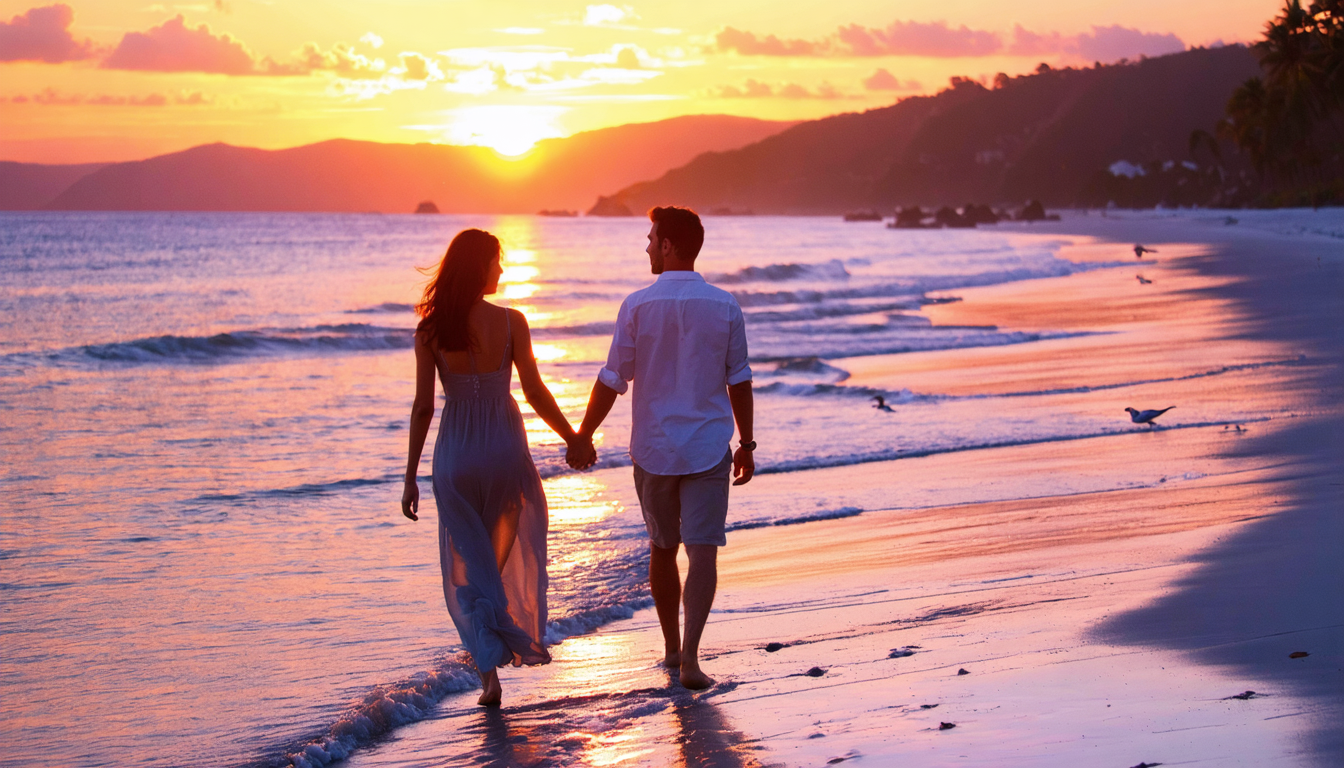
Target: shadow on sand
point(1276, 586)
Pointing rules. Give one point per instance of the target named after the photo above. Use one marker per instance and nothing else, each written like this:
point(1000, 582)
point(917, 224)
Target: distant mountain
point(1043, 136)
point(344, 175)
point(28, 186)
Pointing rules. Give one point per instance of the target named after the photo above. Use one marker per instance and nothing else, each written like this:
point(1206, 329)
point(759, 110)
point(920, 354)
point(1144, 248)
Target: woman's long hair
point(458, 285)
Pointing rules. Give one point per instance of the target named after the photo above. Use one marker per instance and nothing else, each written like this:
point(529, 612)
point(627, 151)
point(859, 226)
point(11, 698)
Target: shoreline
point(1113, 620)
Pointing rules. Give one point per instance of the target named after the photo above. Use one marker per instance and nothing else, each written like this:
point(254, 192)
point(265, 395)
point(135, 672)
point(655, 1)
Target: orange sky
point(93, 80)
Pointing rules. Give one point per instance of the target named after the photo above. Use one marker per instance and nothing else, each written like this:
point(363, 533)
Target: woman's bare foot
point(692, 678)
point(491, 692)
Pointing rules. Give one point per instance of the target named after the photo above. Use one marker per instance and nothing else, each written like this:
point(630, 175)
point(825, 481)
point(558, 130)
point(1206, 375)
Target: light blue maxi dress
point(484, 479)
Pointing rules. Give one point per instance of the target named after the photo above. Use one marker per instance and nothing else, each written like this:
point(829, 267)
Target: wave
point(830, 514)
point(808, 366)
point(387, 306)
point(916, 286)
point(382, 710)
point(778, 273)
point(222, 347)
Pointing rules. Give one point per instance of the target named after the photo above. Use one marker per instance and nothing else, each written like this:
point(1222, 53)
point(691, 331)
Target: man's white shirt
point(682, 341)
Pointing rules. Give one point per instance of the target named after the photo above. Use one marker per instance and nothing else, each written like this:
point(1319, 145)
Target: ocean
point(202, 558)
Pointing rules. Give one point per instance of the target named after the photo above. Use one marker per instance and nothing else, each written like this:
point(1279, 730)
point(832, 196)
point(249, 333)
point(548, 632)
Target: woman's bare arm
point(538, 396)
point(422, 413)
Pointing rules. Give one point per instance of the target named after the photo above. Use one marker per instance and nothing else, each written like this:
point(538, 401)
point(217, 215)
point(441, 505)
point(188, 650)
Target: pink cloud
point(940, 40)
point(755, 89)
point(42, 34)
point(1109, 44)
point(913, 38)
point(882, 80)
point(748, 44)
point(174, 47)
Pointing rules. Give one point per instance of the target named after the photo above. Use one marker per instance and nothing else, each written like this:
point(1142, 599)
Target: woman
point(492, 513)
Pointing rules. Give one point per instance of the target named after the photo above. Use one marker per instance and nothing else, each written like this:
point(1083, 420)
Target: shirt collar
point(681, 274)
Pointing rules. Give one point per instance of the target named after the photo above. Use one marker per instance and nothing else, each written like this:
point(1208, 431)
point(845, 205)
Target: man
point(683, 344)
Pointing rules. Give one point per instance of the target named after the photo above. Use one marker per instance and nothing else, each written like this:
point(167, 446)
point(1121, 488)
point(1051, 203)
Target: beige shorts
point(689, 509)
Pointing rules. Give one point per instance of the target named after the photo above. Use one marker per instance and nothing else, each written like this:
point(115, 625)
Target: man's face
point(655, 250)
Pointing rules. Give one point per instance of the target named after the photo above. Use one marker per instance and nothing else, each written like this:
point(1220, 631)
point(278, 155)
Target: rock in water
point(946, 726)
point(1298, 655)
point(815, 672)
point(772, 647)
point(427, 206)
point(962, 672)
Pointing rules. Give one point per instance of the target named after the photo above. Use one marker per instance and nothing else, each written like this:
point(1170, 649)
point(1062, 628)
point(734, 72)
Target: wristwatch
point(751, 446)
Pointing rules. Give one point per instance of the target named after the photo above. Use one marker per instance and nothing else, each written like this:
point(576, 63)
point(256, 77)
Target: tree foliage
point(1288, 119)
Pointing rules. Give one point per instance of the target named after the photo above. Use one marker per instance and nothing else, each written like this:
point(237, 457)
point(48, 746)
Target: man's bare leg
point(702, 579)
point(665, 584)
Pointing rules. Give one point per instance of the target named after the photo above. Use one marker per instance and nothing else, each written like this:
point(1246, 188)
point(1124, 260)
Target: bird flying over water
point(1142, 280)
point(1146, 417)
point(1139, 250)
point(882, 404)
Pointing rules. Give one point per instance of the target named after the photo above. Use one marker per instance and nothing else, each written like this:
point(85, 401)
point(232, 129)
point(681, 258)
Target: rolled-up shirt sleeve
point(620, 367)
point(738, 368)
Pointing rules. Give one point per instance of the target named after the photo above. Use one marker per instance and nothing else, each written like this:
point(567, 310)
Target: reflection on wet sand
point(565, 732)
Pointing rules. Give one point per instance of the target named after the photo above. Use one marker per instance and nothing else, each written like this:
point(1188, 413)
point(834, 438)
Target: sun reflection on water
point(579, 500)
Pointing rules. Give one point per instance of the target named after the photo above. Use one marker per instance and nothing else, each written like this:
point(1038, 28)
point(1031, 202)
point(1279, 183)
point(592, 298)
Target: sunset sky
point(97, 80)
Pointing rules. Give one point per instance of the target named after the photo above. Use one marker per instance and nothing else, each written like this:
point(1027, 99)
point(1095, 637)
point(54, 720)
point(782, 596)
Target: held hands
point(410, 499)
point(744, 466)
point(581, 454)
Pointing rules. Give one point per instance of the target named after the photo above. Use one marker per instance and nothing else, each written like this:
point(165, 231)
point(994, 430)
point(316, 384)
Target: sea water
point(203, 424)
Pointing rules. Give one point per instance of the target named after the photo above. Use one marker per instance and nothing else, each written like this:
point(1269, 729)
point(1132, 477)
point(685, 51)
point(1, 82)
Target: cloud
point(42, 34)
point(913, 38)
point(747, 44)
point(1116, 42)
point(940, 40)
point(755, 89)
point(174, 47)
point(521, 30)
point(372, 40)
point(417, 67)
point(50, 97)
point(607, 15)
point(900, 38)
point(342, 60)
point(882, 80)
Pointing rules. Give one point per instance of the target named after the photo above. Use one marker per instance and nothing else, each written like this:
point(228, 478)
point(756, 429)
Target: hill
point(1045, 136)
point(27, 186)
point(345, 175)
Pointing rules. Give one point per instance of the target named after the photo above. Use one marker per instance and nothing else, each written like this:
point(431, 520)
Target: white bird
point(1146, 417)
point(1143, 280)
point(882, 404)
point(1139, 250)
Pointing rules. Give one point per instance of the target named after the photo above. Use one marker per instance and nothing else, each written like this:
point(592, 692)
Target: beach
point(204, 562)
point(1147, 609)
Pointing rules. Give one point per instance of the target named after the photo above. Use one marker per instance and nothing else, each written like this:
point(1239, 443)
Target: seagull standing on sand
point(882, 404)
point(1139, 250)
point(1146, 417)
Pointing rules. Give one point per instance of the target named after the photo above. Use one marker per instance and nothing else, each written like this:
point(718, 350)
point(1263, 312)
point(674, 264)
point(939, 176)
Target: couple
point(683, 344)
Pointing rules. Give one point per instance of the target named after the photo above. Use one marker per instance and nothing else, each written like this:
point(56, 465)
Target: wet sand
point(1108, 598)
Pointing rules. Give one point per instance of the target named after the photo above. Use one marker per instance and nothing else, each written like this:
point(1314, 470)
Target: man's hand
point(581, 453)
point(744, 466)
point(410, 499)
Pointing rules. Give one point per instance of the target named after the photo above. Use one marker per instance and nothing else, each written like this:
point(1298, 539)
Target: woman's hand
point(581, 453)
point(410, 499)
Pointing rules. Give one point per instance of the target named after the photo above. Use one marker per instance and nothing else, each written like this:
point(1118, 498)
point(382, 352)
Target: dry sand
point(1106, 597)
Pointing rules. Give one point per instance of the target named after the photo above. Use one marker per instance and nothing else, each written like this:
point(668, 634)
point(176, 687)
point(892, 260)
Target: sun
point(512, 130)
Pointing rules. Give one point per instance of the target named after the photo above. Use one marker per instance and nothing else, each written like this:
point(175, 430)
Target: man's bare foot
point(491, 692)
point(693, 679)
point(672, 659)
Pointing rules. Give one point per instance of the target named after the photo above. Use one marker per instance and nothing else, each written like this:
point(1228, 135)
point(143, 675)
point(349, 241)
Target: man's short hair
point(682, 226)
